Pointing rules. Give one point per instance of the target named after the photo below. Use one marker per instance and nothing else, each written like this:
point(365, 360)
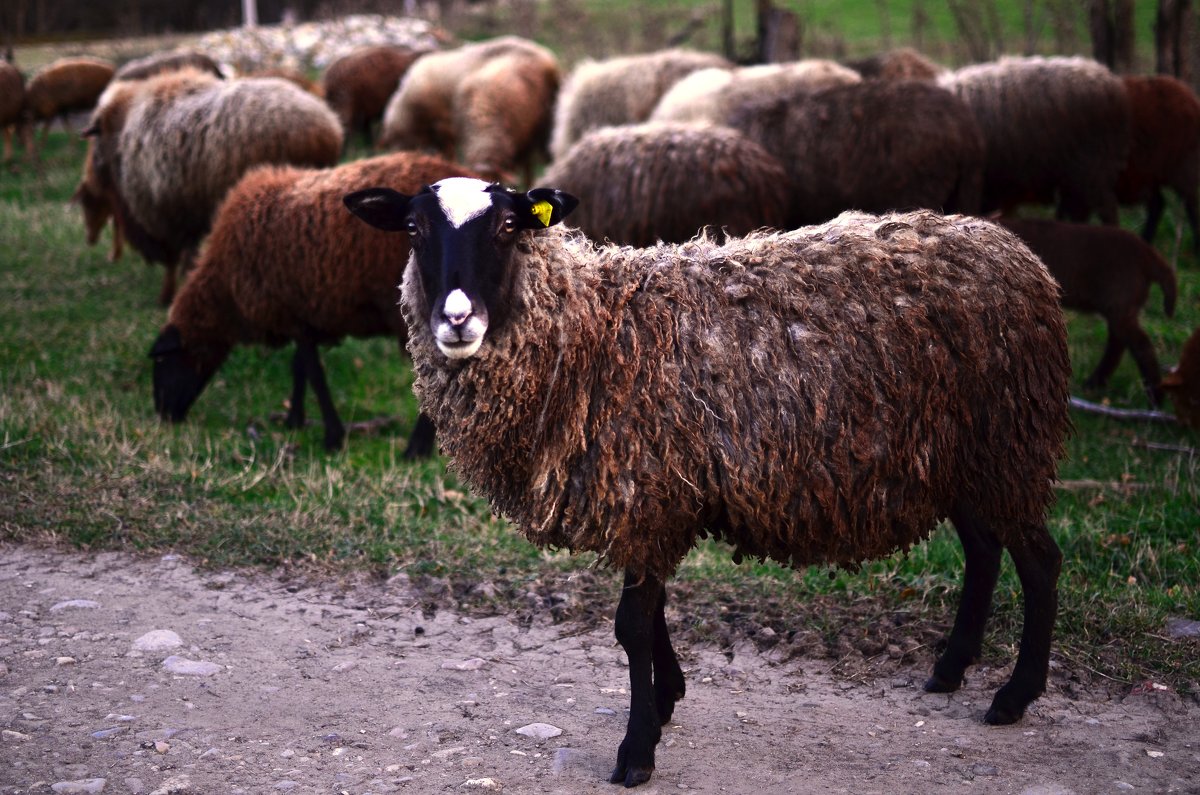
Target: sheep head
point(463, 233)
point(180, 374)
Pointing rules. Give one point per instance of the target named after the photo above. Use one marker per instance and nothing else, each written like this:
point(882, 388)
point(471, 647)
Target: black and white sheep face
point(463, 232)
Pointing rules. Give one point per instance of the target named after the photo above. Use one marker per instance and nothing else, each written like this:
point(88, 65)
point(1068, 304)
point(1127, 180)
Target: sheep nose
point(457, 308)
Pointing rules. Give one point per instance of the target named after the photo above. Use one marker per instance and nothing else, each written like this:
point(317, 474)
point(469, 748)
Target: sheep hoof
point(631, 777)
point(334, 439)
point(936, 684)
point(1003, 711)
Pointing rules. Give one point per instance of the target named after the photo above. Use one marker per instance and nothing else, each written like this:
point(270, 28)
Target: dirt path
point(330, 689)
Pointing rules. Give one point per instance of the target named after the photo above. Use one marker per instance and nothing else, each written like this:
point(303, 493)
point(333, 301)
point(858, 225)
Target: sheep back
point(1164, 138)
point(1080, 113)
point(903, 63)
point(189, 137)
point(66, 85)
point(286, 261)
point(639, 184)
point(621, 90)
point(818, 396)
point(157, 63)
point(12, 94)
point(874, 146)
point(358, 85)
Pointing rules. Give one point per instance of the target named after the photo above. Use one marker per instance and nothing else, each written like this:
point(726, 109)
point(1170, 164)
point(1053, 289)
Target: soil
point(366, 687)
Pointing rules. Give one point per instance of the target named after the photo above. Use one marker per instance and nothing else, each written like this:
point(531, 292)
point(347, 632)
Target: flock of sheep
point(625, 357)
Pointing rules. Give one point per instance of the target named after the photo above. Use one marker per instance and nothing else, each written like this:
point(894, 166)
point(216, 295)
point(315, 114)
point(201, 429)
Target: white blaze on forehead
point(462, 199)
point(457, 304)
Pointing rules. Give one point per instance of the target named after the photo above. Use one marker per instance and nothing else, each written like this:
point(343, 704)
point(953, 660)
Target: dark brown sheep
point(64, 86)
point(1182, 384)
point(1164, 149)
point(1056, 129)
point(821, 396)
point(12, 101)
point(359, 84)
point(286, 263)
point(151, 65)
point(875, 146)
point(903, 63)
point(1106, 270)
point(645, 183)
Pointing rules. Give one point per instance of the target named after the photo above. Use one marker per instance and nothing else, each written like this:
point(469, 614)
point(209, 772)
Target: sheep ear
point(382, 208)
point(92, 131)
point(545, 207)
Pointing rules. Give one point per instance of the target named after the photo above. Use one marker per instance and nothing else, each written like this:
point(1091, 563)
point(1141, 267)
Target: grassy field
point(84, 462)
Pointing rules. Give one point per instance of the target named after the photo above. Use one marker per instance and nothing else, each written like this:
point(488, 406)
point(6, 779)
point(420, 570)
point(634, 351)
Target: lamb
point(1080, 113)
point(875, 146)
point(711, 95)
point(820, 396)
point(12, 101)
point(1164, 149)
point(359, 84)
point(620, 90)
point(1106, 270)
point(157, 63)
point(903, 63)
point(493, 99)
point(168, 148)
point(1182, 384)
point(644, 183)
point(286, 263)
point(64, 86)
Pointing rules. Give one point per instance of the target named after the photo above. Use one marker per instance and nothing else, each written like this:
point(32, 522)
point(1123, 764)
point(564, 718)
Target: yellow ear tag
point(542, 211)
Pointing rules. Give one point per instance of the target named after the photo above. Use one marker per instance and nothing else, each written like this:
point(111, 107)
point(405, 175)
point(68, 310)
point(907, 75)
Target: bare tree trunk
point(727, 29)
point(778, 33)
point(1111, 23)
point(1170, 37)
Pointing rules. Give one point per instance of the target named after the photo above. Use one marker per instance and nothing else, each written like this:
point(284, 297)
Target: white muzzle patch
point(462, 199)
point(460, 333)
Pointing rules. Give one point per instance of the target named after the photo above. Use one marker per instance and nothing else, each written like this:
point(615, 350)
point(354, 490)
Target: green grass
point(84, 462)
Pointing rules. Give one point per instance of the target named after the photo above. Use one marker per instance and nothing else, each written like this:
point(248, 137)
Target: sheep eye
point(510, 224)
point(411, 227)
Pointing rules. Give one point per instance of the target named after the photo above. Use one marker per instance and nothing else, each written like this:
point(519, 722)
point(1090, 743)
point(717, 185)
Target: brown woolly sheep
point(1182, 384)
point(710, 95)
point(151, 65)
point(168, 148)
point(492, 99)
point(286, 263)
point(644, 183)
point(876, 145)
point(1164, 149)
point(1106, 270)
point(66, 85)
point(359, 84)
point(903, 63)
point(621, 90)
point(821, 396)
point(293, 76)
point(12, 101)
point(1055, 129)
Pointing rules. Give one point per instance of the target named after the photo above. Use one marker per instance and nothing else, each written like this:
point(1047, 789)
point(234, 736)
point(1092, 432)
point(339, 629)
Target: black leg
point(1142, 350)
point(669, 685)
point(1154, 211)
point(295, 415)
point(1038, 562)
point(421, 440)
point(1114, 346)
point(335, 432)
point(982, 550)
point(635, 632)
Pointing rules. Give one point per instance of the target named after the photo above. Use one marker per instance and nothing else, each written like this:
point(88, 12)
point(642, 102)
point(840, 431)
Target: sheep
point(286, 263)
point(1106, 270)
point(903, 63)
point(493, 99)
point(293, 76)
point(1164, 149)
point(168, 149)
point(359, 84)
point(820, 396)
point(710, 95)
point(64, 86)
point(1182, 383)
point(621, 90)
point(648, 182)
point(12, 101)
point(876, 145)
point(1054, 127)
point(157, 63)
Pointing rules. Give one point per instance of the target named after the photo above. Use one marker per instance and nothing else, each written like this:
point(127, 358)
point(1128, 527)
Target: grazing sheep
point(492, 99)
point(903, 63)
point(1106, 270)
point(286, 263)
point(875, 146)
point(359, 84)
point(1054, 128)
point(821, 396)
point(711, 95)
point(12, 101)
point(66, 85)
point(621, 90)
point(644, 183)
point(1164, 149)
point(168, 149)
point(1182, 384)
point(151, 65)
